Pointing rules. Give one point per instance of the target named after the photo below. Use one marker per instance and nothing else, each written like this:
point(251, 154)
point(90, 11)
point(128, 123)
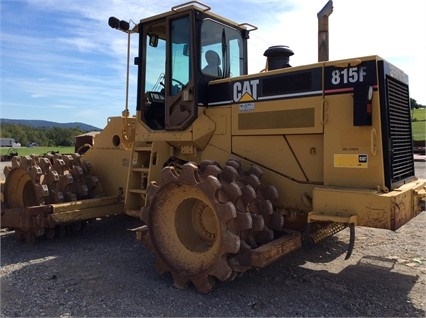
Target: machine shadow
point(370, 287)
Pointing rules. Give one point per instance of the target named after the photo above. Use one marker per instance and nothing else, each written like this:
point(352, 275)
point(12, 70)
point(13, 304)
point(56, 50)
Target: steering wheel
point(179, 85)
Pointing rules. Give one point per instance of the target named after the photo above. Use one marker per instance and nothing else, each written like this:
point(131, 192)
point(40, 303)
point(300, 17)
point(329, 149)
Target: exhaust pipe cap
point(278, 56)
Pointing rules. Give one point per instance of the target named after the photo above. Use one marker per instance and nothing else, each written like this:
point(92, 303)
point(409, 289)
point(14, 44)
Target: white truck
point(7, 142)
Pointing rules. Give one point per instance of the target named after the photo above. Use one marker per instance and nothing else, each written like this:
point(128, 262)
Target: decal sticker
point(348, 75)
point(350, 161)
point(247, 107)
point(245, 91)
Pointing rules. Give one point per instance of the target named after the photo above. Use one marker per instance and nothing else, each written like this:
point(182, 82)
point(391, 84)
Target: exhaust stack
point(323, 31)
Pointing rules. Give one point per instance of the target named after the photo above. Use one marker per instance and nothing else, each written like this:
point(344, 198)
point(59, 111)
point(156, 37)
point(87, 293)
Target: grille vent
point(400, 142)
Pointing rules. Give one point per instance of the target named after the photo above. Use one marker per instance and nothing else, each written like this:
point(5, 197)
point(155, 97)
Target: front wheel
point(188, 220)
point(204, 221)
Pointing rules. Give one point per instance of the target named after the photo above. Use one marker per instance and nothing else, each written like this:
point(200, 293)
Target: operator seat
point(213, 62)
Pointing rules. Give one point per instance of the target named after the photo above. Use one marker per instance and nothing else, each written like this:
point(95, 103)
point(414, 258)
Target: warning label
point(350, 161)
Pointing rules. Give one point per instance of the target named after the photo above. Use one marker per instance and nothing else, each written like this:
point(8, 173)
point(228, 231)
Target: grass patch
point(24, 151)
point(418, 124)
point(418, 114)
point(419, 130)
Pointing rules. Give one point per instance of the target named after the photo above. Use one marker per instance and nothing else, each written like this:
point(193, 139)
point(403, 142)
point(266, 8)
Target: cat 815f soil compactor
point(229, 171)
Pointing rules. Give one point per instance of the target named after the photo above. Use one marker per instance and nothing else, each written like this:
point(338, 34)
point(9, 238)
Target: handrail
point(253, 27)
point(182, 5)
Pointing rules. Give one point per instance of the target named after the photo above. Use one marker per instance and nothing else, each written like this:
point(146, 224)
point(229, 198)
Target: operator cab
point(179, 53)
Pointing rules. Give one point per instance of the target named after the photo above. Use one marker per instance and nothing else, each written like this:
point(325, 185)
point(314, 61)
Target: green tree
point(414, 104)
point(61, 136)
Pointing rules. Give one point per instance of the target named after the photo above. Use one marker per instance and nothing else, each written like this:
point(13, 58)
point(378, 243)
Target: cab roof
point(200, 7)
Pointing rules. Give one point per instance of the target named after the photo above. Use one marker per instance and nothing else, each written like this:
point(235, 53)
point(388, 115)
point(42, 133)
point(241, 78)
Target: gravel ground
point(104, 271)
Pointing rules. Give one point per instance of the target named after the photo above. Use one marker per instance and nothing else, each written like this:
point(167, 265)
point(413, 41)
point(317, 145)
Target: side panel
point(278, 117)
point(296, 157)
point(109, 159)
point(353, 156)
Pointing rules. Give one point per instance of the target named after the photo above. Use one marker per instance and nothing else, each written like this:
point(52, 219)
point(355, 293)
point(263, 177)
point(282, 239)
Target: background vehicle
point(7, 142)
point(230, 171)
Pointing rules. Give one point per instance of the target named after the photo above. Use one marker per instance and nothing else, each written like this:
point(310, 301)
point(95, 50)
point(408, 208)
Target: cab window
point(221, 50)
point(180, 55)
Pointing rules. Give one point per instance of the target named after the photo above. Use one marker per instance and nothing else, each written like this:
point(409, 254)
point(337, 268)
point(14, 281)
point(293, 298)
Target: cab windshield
point(221, 53)
point(180, 56)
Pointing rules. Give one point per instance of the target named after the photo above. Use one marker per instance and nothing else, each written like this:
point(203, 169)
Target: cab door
point(180, 105)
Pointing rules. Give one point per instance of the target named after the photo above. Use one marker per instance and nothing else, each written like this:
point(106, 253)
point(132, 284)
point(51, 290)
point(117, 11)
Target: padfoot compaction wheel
point(188, 218)
point(41, 180)
point(202, 221)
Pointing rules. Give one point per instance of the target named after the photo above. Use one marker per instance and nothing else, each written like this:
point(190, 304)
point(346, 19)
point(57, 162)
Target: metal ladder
point(138, 178)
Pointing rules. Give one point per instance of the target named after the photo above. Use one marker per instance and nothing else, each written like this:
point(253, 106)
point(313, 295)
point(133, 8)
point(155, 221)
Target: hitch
point(32, 222)
point(330, 224)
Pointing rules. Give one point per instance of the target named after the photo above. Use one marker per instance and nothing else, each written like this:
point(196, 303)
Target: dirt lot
point(104, 271)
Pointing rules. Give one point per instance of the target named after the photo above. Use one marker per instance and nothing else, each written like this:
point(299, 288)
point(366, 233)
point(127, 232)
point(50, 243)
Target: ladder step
point(143, 170)
point(138, 191)
point(133, 213)
point(143, 149)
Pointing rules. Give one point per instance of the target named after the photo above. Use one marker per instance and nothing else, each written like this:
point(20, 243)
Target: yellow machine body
point(307, 147)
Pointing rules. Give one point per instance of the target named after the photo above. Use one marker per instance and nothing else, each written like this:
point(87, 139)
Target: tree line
point(415, 105)
point(44, 136)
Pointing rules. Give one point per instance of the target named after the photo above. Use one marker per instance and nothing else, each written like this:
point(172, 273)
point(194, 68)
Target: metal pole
point(128, 71)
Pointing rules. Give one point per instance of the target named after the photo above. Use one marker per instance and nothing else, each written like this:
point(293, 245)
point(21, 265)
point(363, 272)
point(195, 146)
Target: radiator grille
point(401, 148)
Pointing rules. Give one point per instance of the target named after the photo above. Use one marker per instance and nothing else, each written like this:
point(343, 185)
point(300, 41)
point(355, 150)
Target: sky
point(60, 61)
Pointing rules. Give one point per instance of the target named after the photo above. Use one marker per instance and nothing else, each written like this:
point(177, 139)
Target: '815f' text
point(348, 75)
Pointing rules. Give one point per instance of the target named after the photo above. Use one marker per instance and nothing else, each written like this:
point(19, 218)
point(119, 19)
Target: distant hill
point(48, 124)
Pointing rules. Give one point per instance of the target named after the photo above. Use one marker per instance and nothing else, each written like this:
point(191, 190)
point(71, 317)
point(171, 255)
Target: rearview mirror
point(186, 50)
point(153, 40)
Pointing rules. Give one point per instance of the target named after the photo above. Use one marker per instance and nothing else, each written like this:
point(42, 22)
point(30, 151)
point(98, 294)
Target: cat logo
point(245, 91)
point(362, 158)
